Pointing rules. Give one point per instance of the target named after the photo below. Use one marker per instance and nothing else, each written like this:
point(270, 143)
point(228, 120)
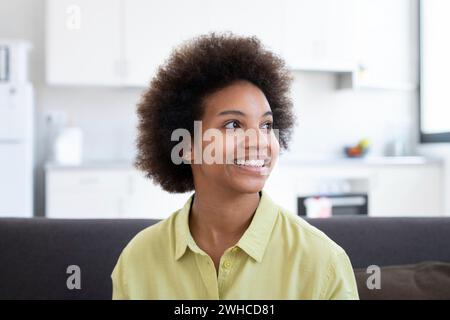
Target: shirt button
point(227, 264)
point(235, 249)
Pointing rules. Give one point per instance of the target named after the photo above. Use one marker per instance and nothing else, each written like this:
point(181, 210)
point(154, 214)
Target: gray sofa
point(35, 253)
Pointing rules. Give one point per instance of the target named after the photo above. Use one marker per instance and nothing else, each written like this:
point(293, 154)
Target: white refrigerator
point(16, 132)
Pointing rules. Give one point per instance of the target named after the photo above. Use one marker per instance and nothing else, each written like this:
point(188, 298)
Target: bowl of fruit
point(359, 150)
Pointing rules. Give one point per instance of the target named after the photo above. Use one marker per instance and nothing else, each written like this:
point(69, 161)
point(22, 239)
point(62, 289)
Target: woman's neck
point(220, 217)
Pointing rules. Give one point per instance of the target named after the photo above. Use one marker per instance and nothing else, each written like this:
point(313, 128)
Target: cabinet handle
point(87, 181)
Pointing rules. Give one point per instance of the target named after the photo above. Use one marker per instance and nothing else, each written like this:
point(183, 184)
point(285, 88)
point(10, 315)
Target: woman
point(230, 240)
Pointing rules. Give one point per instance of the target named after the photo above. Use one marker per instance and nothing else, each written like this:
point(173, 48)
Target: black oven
point(341, 204)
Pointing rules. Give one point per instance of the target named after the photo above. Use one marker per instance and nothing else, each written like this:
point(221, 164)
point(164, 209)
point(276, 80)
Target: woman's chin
point(247, 181)
point(248, 185)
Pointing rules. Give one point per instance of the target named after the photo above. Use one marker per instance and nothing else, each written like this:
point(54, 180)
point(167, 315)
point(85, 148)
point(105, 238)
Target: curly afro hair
point(194, 70)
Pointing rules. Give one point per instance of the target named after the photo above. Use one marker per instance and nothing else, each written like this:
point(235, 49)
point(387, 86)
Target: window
point(434, 110)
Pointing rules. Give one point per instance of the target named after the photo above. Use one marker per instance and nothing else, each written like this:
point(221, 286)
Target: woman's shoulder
point(157, 236)
point(306, 235)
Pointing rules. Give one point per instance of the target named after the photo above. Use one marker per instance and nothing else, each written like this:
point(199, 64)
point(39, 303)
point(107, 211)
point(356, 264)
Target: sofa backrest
point(35, 253)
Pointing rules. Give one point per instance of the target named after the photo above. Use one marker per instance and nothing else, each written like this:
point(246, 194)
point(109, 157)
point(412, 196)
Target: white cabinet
point(83, 42)
point(78, 193)
point(106, 193)
point(319, 35)
point(262, 18)
point(393, 190)
point(147, 200)
point(386, 38)
point(122, 42)
point(370, 44)
point(153, 28)
point(406, 191)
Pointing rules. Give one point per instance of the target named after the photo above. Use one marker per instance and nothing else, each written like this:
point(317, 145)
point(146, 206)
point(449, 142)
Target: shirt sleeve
point(119, 288)
point(340, 281)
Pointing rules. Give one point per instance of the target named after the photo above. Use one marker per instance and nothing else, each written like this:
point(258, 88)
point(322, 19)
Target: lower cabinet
point(106, 193)
point(409, 190)
point(123, 192)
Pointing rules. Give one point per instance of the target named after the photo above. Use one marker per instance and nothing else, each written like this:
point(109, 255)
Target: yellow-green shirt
point(279, 256)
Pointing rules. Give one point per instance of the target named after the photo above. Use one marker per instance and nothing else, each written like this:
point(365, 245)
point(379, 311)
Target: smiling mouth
point(254, 163)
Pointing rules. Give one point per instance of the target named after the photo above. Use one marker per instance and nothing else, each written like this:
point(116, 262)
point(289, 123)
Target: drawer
point(85, 181)
point(83, 206)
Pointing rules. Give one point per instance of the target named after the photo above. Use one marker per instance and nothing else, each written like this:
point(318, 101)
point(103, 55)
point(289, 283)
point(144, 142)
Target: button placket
point(225, 267)
point(208, 274)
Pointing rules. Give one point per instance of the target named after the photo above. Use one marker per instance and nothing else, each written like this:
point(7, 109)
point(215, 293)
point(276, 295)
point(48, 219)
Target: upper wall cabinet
point(319, 35)
point(122, 42)
point(154, 28)
point(263, 18)
point(386, 42)
point(83, 42)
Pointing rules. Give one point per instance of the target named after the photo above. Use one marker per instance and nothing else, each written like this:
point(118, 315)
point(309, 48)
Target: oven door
point(341, 204)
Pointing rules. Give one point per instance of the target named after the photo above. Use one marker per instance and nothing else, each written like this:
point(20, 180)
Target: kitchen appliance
point(16, 131)
point(328, 196)
point(341, 204)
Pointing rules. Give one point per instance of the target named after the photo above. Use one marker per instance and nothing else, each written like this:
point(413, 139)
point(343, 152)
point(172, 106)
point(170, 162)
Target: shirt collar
point(254, 240)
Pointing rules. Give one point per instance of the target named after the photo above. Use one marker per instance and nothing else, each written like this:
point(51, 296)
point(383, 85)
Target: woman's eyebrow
point(240, 113)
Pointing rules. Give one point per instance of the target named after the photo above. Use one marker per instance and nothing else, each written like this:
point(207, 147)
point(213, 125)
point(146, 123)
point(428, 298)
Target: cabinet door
point(84, 205)
point(153, 28)
point(83, 42)
point(414, 191)
point(85, 193)
point(385, 51)
point(262, 18)
point(149, 201)
point(319, 34)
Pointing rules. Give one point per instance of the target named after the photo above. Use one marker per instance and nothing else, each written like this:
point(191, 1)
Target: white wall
point(108, 119)
point(330, 118)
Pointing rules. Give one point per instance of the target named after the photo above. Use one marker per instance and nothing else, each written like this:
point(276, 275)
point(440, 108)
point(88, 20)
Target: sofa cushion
point(426, 280)
point(35, 253)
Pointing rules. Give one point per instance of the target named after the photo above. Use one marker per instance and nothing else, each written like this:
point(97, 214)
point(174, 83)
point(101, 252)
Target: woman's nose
point(255, 138)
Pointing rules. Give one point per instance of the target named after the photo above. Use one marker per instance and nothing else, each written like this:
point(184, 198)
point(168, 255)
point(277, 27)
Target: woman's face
point(246, 148)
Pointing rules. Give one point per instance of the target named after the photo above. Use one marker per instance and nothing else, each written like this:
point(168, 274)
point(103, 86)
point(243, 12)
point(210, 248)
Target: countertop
point(366, 161)
point(370, 160)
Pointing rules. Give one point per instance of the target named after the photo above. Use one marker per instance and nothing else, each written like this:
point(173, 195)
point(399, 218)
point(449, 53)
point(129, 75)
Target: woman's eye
point(268, 126)
point(232, 125)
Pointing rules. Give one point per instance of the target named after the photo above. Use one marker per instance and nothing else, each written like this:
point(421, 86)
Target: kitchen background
point(356, 69)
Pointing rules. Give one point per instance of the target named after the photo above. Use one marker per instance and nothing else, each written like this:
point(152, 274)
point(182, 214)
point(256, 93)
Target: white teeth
point(250, 163)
